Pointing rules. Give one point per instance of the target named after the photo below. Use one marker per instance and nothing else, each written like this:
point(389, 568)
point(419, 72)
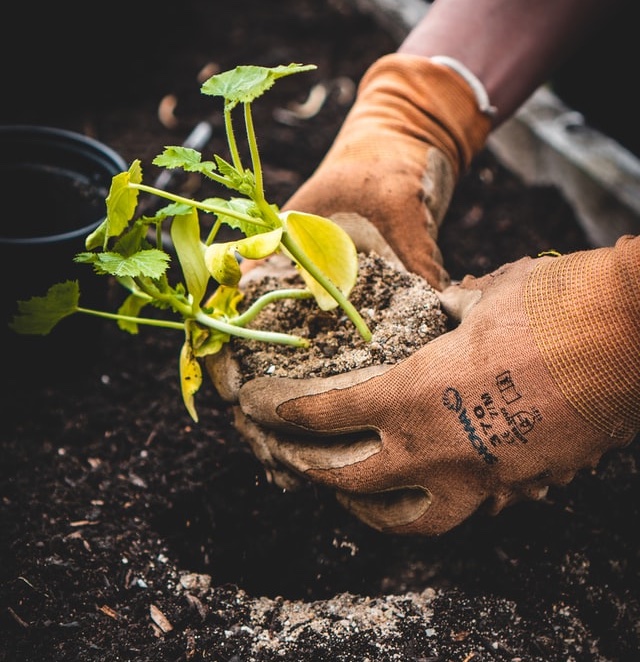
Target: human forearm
point(512, 46)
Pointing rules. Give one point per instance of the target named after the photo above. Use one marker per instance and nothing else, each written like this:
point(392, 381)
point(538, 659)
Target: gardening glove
point(539, 379)
point(414, 127)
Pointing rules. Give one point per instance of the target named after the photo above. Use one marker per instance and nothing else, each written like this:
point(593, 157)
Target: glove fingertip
point(457, 301)
point(225, 374)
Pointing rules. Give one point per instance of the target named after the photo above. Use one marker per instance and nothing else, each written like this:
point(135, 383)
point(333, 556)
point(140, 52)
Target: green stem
point(251, 334)
point(349, 309)
point(253, 150)
point(205, 320)
point(255, 308)
point(215, 209)
point(231, 138)
point(213, 233)
point(146, 321)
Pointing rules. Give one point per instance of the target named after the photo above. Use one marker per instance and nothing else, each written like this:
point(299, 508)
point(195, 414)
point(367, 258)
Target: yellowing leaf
point(259, 245)
point(185, 235)
point(121, 205)
point(190, 378)
point(131, 307)
point(329, 247)
point(224, 301)
point(222, 264)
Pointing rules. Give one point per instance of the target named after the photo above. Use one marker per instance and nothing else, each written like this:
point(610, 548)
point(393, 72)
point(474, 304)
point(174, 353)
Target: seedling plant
point(130, 247)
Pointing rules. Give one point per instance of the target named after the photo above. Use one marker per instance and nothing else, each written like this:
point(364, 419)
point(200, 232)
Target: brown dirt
point(401, 310)
point(130, 533)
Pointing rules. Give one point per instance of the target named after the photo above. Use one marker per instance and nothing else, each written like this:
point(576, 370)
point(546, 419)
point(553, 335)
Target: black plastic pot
point(53, 185)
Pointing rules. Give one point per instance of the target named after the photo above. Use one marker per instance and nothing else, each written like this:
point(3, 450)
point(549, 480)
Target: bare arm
point(512, 46)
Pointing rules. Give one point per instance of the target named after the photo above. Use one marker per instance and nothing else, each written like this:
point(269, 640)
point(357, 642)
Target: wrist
point(432, 100)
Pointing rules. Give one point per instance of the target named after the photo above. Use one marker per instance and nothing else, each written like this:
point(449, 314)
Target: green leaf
point(228, 170)
point(39, 315)
point(121, 206)
point(186, 158)
point(329, 247)
point(185, 235)
point(242, 181)
point(133, 240)
point(248, 82)
point(149, 263)
point(239, 205)
point(173, 209)
point(244, 207)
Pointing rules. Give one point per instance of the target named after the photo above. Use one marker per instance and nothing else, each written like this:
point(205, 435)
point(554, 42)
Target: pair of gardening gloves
point(539, 377)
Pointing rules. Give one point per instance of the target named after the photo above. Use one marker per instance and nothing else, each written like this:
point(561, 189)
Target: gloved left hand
point(414, 128)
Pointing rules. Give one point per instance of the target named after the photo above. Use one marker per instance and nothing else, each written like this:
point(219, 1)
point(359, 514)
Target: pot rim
point(104, 158)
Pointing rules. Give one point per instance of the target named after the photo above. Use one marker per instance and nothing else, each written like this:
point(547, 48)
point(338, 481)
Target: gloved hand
point(415, 125)
point(539, 379)
point(387, 180)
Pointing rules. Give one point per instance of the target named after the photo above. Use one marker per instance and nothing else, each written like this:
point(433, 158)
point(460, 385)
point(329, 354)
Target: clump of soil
point(401, 309)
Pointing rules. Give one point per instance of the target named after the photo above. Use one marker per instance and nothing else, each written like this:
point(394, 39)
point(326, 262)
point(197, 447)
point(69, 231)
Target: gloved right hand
point(414, 127)
point(541, 377)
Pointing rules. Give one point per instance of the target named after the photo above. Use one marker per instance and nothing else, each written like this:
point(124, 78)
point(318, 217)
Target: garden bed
point(131, 533)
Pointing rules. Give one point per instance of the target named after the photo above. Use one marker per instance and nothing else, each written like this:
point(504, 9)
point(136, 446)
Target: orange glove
point(415, 125)
point(540, 378)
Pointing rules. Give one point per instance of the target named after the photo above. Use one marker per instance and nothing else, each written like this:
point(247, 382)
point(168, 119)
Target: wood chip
point(160, 619)
point(166, 111)
point(110, 612)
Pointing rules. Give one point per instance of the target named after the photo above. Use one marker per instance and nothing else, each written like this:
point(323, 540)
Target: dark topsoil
point(131, 533)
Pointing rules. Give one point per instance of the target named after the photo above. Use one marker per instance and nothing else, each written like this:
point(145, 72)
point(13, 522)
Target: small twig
point(17, 618)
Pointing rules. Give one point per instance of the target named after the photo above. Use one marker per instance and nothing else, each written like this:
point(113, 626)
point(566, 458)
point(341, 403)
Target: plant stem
point(215, 209)
point(253, 149)
point(205, 320)
point(214, 231)
point(341, 299)
point(146, 321)
point(251, 334)
point(231, 138)
point(266, 299)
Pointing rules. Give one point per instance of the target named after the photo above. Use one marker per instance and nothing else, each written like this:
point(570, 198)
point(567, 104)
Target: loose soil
point(131, 533)
point(401, 310)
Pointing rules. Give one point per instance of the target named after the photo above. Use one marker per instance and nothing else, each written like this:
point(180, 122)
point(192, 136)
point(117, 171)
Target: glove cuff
point(479, 90)
point(453, 111)
point(584, 312)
